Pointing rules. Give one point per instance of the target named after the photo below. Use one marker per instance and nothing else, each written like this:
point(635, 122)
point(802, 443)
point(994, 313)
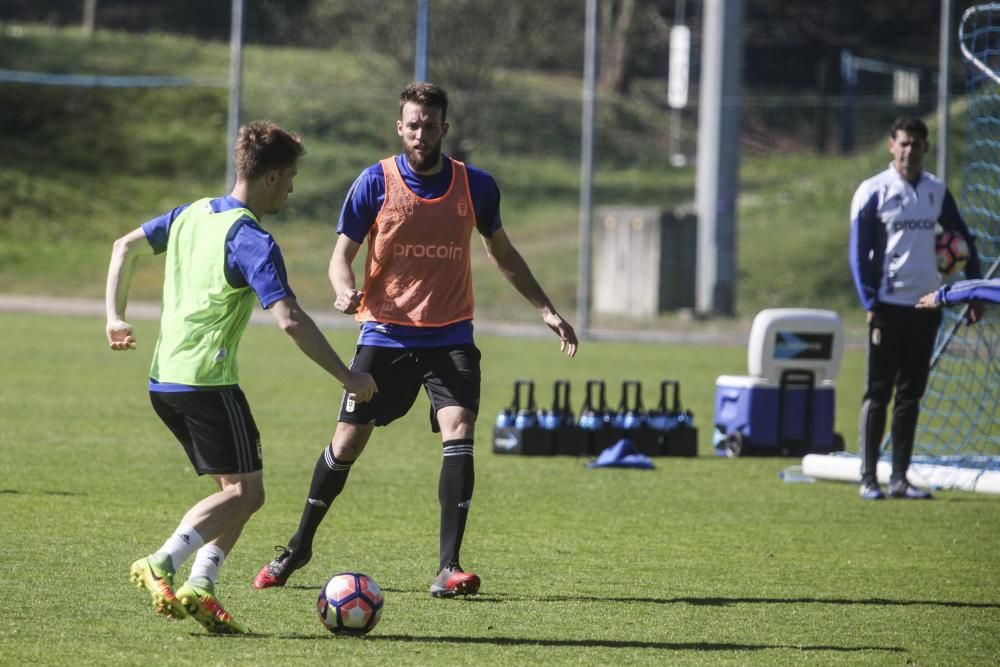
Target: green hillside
point(85, 165)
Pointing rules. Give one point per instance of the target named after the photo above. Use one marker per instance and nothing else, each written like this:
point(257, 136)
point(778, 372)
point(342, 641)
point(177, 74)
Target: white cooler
point(785, 405)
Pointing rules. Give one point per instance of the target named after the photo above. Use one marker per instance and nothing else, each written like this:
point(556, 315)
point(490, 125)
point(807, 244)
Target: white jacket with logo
point(893, 225)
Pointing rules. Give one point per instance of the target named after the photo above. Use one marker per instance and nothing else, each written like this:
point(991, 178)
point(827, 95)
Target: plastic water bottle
point(590, 420)
point(505, 418)
point(549, 420)
point(632, 420)
point(794, 475)
point(525, 419)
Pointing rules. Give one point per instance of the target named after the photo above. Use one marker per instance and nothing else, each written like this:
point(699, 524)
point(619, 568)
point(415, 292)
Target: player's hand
point(361, 386)
point(567, 337)
point(120, 335)
point(348, 302)
point(975, 311)
point(928, 300)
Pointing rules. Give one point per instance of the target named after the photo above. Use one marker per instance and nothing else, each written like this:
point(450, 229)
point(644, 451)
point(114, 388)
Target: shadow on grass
point(602, 643)
point(695, 601)
point(312, 587)
point(16, 492)
point(711, 601)
point(726, 601)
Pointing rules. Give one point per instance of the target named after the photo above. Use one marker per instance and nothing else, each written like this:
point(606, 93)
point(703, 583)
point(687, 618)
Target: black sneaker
point(276, 572)
point(903, 489)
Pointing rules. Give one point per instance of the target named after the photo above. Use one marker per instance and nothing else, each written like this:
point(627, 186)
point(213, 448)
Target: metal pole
point(583, 286)
point(849, 80)
point(420, 55)
point(719, 155)
point(944, 85)
point(235, 82)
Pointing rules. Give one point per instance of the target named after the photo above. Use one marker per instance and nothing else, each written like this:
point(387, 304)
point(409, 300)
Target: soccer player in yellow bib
point(218, 262)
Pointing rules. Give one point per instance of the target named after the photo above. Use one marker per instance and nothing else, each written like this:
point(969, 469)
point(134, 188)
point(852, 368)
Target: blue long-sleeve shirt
point(964, 291)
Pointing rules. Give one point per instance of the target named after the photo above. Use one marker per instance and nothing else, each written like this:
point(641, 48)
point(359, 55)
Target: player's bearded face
point(422, 130)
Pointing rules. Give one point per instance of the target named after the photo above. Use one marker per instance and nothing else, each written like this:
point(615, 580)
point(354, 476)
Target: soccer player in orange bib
point(417, 210)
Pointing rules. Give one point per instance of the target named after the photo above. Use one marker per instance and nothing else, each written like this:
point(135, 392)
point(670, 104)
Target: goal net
point(958, 436)
point(960, 414)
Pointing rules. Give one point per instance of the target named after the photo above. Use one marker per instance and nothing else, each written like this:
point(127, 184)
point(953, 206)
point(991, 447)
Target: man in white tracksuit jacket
point(893, 261)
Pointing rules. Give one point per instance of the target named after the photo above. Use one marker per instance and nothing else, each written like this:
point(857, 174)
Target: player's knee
point(456, 422)
point(877, 398)
point(347, 451)
point(248, 495)
point(906, 403)
point(255, 500)
point(350, 440)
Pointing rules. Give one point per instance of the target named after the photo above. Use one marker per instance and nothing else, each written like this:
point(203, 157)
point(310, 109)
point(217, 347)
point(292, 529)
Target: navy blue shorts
point(215, 427)
point(449, 375)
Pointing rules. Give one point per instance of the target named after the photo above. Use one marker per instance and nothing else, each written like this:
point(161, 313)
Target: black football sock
point(455, 494)
point(328, 481)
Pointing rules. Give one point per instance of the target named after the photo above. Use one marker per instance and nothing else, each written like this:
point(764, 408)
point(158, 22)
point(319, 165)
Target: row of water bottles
point(525, 428)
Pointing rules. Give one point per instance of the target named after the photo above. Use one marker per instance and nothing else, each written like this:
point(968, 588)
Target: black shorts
point(216, 428)
point(449, 375)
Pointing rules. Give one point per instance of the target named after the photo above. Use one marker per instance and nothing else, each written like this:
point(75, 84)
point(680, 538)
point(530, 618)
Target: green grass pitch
point(702, 561)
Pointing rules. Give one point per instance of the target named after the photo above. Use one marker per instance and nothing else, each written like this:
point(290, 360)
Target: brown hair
point(911, 125)
point(264, 145)
point(426, 95)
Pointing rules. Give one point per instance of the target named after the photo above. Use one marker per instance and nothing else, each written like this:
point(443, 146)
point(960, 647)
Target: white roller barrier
point(841, 468)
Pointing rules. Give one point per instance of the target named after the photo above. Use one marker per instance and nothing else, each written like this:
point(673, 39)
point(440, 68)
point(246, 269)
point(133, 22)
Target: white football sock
point(181, 545)
point(207, 563)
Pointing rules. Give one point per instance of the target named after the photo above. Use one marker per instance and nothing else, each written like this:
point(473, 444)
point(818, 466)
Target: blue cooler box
point(761, 418)
point(785, 405)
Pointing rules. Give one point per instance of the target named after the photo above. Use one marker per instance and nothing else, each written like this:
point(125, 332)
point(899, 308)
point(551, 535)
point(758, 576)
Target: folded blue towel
point(622, 454)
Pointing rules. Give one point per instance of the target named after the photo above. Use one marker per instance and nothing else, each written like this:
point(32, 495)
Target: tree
point(89, 15)
point(613, 51)
point(466, 53)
